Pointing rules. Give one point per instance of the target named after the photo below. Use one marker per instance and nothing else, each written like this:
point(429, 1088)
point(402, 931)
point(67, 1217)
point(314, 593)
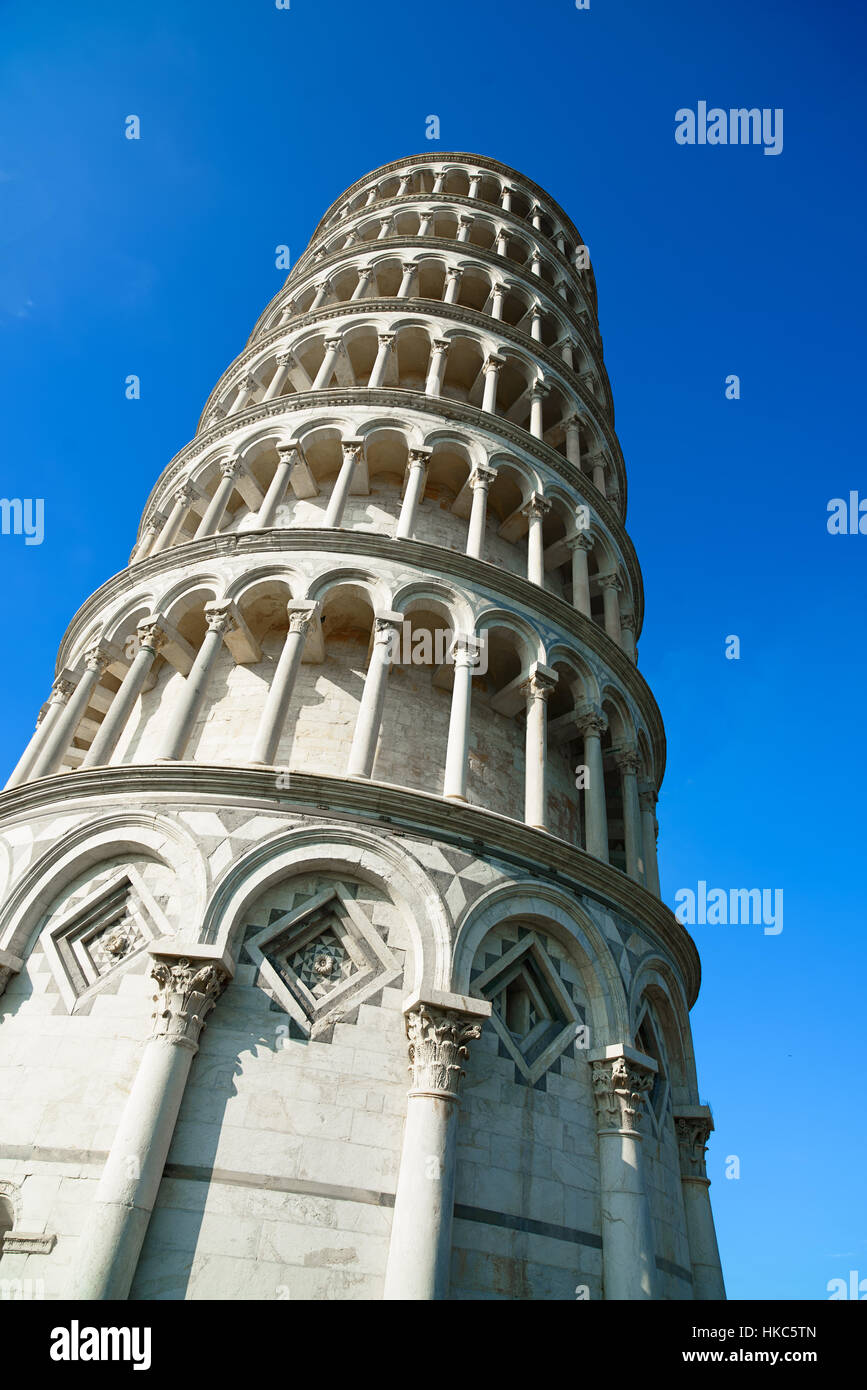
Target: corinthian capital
point(438, 1040)
point(219, 617)
point(693, 1126)
point(620, 1083)
point(187, 991)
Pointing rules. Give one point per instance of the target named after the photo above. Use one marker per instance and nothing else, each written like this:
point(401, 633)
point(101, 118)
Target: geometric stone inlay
point(534, 1014)
point(101, 935)
point(322, 960)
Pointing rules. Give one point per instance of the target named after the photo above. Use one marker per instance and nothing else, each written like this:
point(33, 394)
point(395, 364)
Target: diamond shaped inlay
point(534, 1014)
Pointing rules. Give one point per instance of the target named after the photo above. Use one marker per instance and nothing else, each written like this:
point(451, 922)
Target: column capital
point(188, 988)
point(407, 266)
point(540, 681)
point(62, 688)
point(418, 458)
point(438, 1031)
point(334, 342)
point(351, 446)
point(482, 477)
point(627, 759)
point(539, 389)
point(385, 624)
point(454, 273)
point(628, 620)
point(301, 613)
point(493, 362)
point(231, 467)
point(536, 506)
point(466, 649)
point(285, 359)
point(693, 1125)
point(216, 414)
point(385, 339)
point(220, 617)
point(185, 492)
point(249, 381)
point(98, 658)
point(580, 540)
point(609, 581)
point(288, 453)
point(621, 1079)
point(151, 634)
point(648, 796)
point(591, 721)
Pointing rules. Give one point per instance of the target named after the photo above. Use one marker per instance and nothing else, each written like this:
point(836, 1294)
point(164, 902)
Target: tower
point(352, 771)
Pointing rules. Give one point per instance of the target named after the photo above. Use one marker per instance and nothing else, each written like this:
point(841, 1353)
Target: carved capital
point(647, 796)
point(300, 619)
point(536, 506)
point(418, 458)
point(441, 345)
point(188, 991)
point(591, 721)
point(482, 477)
point(229, 468)
point(288, 454)
point(610, 581)
point(627, 620)
point(620, 1085)
point(151, 635)
point(438, 1047)
point(61, 691)
point(183, 494)
point(693, 1129)
point(386, 339)
point(627, 760)
point(582, 540)
point(494, 362)
point(97, 659)
point(220, 618)
point(466, 650)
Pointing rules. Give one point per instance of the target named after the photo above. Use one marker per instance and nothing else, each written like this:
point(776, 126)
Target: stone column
point(536, 264)
point(475, 180)
point(647, 797)
point(536, 324)
point(506, 198)
point(465, 650)
point(438, 180)
point(592, 725)
point(386, 630)
point(628, 762)
point(537, 689)
point(168, 535)
point(51, 753)
point(364, 278)
point(464, 225)
point(151, 637)
point(536, 509)
point(610, 586)
point(220, 620)
point(146, 544)
point(573, 441)
point(500, 290)
point(580, 546)
point(502, 241)
point(492, 375)
point(598, 467)
point(326, 371)
point(383, 352)
point(408, 268)
point(48, 716)
point(480, 480)
point(384, 228)
point(109, 1249)
point(424, 222)
point(273, 717)
point(566, 353)
point(320, 296)
point(436, 371)
point(340, 492)
point(286, 460)
point(417, 464)
point(245, 390)
point(621, 1079)
point(537, 424)
point(438, 1028)
point(693, 1125)
point(627, 635)
point(453, 284)
point(212, 520)
point(285, 362)
point(403, 186)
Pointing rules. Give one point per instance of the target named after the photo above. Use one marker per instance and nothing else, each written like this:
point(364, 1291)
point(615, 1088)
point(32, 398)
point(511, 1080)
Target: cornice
point(492, 426)
point(474, 829)
point(453, 157)
point(478, 575)
point(434, 308)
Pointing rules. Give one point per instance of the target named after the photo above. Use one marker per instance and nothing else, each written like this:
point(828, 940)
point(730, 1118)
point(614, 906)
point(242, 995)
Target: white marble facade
point(332, 958)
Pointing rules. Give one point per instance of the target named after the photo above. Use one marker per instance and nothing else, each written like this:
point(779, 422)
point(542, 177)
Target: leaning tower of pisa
point(332, 957)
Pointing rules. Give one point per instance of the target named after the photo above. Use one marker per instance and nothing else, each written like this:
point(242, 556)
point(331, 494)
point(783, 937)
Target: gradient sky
point(155, 258)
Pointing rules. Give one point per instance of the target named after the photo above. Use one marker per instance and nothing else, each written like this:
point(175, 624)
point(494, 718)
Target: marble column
point(245, 390)
point(438, 1028)
point(506, 198)
point(647, 797)
point(464, 226)
point(183, 496)
point(365, 276)
point(537, 423)
point(384, 228)
point(628, 764)
point(610, 586)
point(383, 352)
point(580, 546)
point(50, 755)
point(480, 480)
point(386, 631)
point(147, 542)
point(286, 461)
point(536, 509)
point(537, 689)
point(453, 285)
point(267, 739)
point(693, 1125)
point(340, 492)
point(151, 637)
point(536, 324)
point(627, 635)
point(48, 716)
point(598, 469)
point(491, 371)
point(592, 725)
point(465, 651)
point(573, 441)
point(438, 180)
point(285, 363)
point(417, 470)
point(436, 370)
point(108, 1252)
point(424, 222)
point(409, 269)
point(502, 244)
point(499, 291)
point(212, 520)
point(220, 620)
point(329, 361)
point(320, 296)
point(621, 1079)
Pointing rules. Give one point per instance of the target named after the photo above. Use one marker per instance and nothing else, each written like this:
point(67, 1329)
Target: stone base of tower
point(336, 932)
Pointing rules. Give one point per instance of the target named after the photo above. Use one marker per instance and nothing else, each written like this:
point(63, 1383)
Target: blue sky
point(155, 258)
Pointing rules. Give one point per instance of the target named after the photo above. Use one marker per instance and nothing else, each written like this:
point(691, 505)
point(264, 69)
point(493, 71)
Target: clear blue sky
point(155, 258)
